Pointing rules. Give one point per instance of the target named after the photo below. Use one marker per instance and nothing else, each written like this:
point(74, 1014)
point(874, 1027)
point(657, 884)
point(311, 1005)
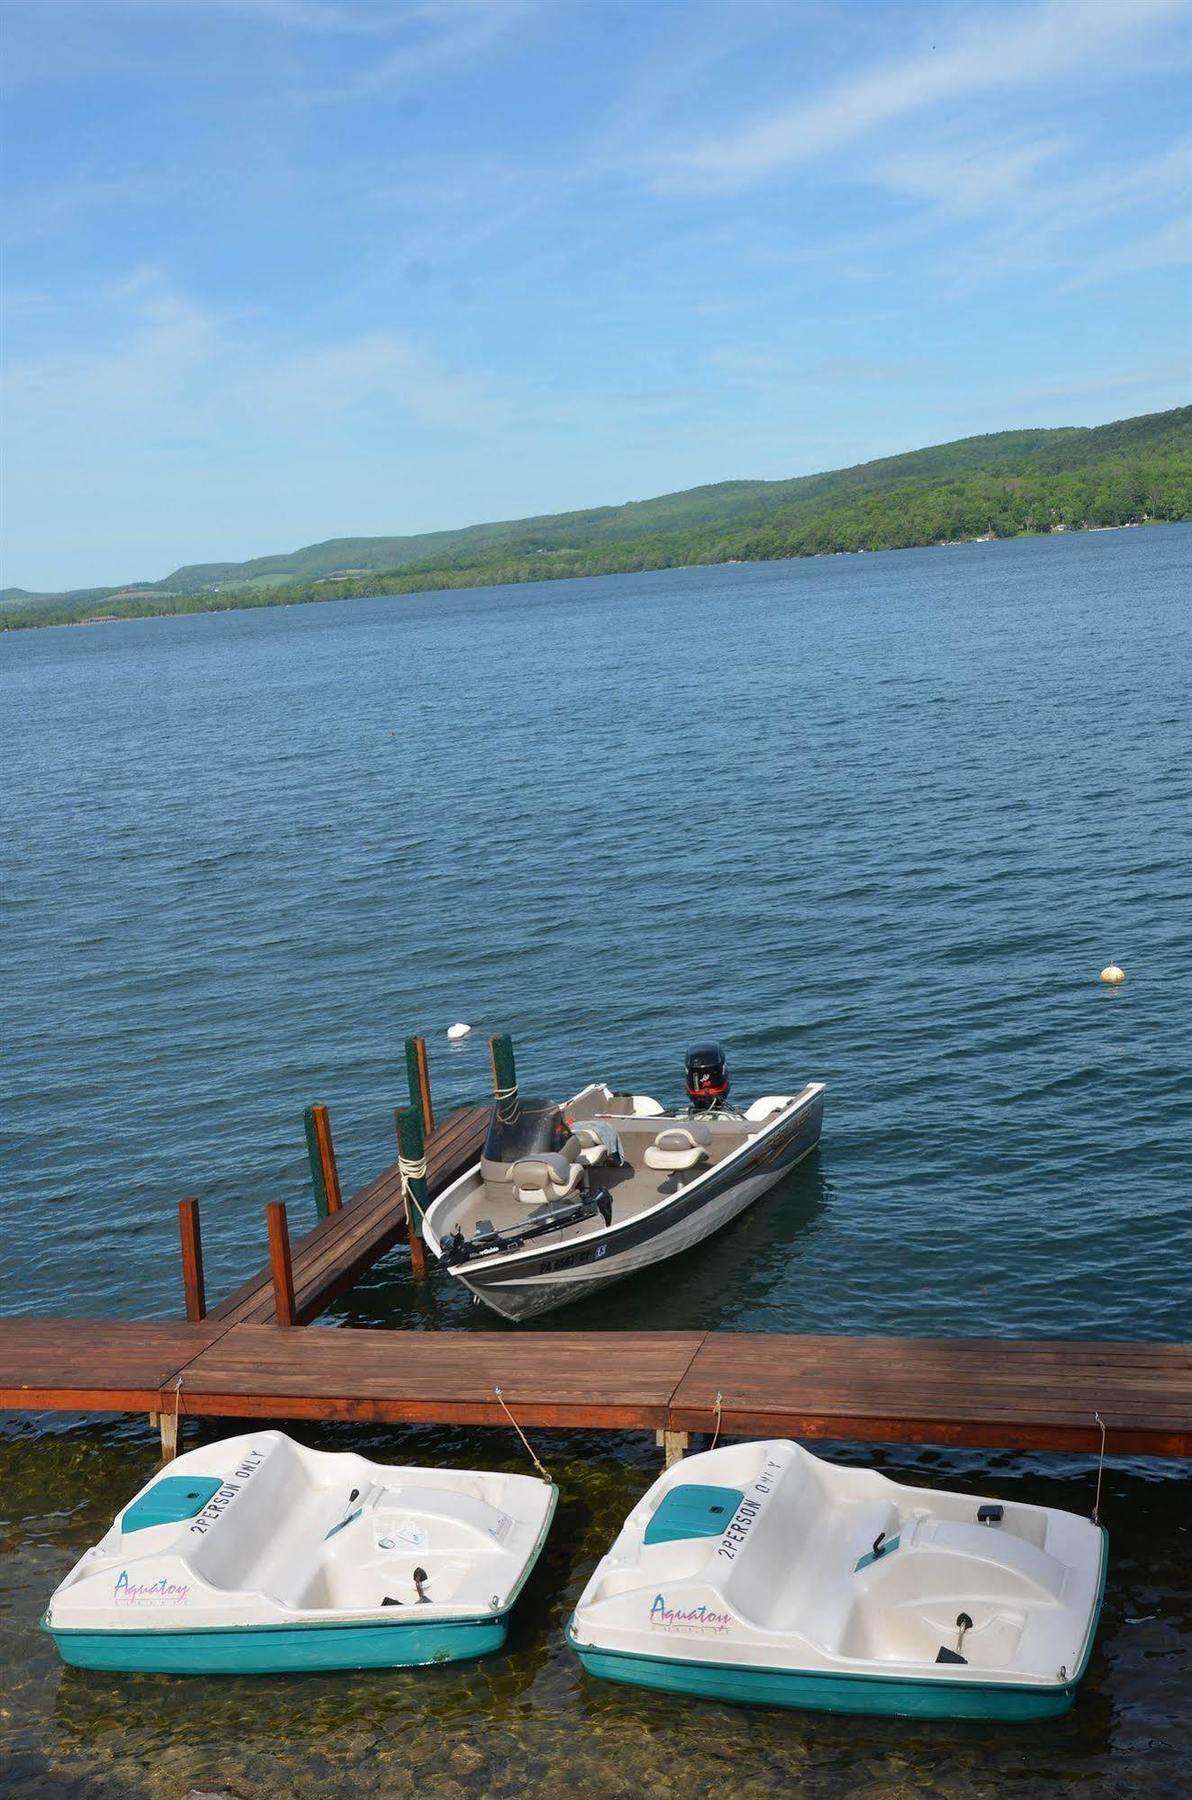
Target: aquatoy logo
point(699, 1620)
point(149, 1593)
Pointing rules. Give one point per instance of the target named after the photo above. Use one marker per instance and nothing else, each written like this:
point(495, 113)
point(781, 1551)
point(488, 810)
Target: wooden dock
point(994, 1394)
point(244, 1358)
point(329, 1260)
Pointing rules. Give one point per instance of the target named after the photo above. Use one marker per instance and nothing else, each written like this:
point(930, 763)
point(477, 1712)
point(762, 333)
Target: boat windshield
point(538, 1127)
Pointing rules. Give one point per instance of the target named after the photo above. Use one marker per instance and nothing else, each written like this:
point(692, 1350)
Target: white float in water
point(455, 1032)
point(1113, 973)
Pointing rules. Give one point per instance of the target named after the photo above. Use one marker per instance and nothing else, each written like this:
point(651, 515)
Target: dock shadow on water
point(528, 1721)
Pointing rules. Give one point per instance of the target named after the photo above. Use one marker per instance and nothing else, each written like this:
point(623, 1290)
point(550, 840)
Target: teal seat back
point(170, 1500)
point(692, 1510)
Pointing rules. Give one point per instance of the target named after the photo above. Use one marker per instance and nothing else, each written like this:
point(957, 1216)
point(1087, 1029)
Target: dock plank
point(94, 1365)
point(442, 1377)
point(1013, 1394)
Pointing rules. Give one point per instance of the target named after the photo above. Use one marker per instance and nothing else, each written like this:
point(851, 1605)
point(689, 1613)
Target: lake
point(878, 820)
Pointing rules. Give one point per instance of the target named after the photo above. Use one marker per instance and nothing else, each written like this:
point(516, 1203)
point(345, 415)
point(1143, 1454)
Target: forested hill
point(1005, 484)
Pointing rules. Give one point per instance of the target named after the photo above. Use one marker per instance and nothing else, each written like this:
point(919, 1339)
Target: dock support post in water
point(673, 1445)
point(500, 1050)
point(411, 1160)
point(168, 1426)
point(418, 1076)
point(192, 1261)
point(279, 1263)
point(324, 1175)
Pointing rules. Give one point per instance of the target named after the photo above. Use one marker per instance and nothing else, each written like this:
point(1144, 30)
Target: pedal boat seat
point(549, 1177)
point(678, 1148)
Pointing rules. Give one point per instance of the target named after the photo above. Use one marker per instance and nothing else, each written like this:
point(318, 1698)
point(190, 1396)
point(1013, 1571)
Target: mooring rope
point(719, 1416)
point(521, 1434)
point(412, 1169)
point(507, 1093)
point(1100, 1468)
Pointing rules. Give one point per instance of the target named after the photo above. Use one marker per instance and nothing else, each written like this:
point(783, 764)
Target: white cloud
point(313, 15)
point(961, 177)
point(1162, 380)
point(767, 367)
point(158, 341)
point(389, 370)
point(1169, 247)
point(168, 368)
point(1002, 49)
point(1062, 223)
point(429, 36)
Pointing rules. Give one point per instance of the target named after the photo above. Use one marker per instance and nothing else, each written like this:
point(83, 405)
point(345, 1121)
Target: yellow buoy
point(1113, 973)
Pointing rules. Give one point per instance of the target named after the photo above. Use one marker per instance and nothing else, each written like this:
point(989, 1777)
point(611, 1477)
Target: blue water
point(879, 820)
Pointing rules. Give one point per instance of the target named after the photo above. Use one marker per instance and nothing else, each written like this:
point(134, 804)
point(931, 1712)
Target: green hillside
point(1007, 483)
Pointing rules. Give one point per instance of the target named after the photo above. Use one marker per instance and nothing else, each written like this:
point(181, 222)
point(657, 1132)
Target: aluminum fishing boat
point(761, 1573)
point(256, 1555)
point(568, 1198)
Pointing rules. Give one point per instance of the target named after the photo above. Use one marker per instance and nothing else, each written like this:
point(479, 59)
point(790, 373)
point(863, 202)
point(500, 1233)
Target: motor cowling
point(707, 1076)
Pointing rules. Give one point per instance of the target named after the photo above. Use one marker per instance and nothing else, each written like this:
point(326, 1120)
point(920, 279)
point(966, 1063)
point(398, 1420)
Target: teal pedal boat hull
point(278, 1650)
point(874, 1695)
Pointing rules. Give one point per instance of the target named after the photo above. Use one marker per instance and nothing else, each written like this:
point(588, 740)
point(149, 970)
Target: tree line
point(1128, 483)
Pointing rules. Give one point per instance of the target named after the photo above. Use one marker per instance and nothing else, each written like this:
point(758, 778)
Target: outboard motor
point(707, 1077)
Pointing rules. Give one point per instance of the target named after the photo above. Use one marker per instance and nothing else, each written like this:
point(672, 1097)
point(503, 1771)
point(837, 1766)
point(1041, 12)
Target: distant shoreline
point(1034, 483)
point(403, 588)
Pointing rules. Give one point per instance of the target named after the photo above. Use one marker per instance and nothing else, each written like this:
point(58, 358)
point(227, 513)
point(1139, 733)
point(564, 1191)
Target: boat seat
point(548, 1177)
point(679, 1147)
point(597, 1143)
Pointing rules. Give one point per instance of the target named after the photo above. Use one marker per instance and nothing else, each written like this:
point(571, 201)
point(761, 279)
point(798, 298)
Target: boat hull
point(282, 1649)
point(529, 1284)
point(830, 1692)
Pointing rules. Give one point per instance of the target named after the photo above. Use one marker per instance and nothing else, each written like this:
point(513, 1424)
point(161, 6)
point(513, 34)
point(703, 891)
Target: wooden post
point(324, 1175)
point(418, 1076)
point(500, 1050)
point(411, 1149)
point(279, 1263)
point(168, 1423)
point(673, 1445)
point(192, 1260)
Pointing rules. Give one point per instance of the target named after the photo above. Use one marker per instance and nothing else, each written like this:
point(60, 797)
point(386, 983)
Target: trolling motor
point(707, 1077)
point(455, 1248)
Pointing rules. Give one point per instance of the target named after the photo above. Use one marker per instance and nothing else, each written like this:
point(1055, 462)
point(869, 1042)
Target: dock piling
point(193, 1286)
point(673, 1445)
point(167, 1424)
point(500, 1050)
point(418, 1076)
point(279, 1263)
point(324, 1174)
point(411, 1156)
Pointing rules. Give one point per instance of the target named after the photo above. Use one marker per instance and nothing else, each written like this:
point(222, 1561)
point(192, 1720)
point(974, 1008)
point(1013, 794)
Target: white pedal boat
point(256, 1555)
point(761, 1573)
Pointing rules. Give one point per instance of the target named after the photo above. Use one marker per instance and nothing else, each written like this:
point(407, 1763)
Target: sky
point(282, 270)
